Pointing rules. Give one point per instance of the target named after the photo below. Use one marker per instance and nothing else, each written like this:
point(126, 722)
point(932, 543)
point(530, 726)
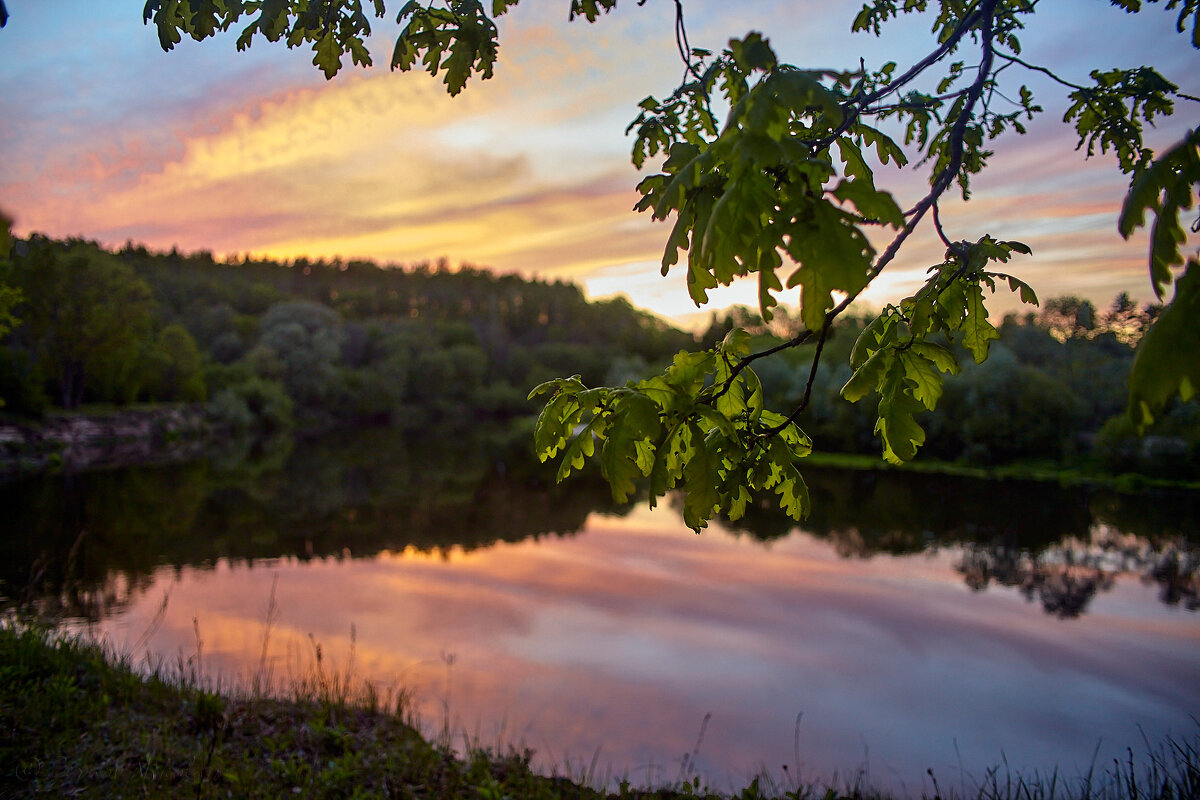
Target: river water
point(914, 623)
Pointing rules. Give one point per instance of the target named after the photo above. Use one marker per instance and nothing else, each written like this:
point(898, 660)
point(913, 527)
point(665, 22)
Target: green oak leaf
point(834, 256)
point(1027, 294)
point(670, 456)
point(580, 448)
point(879, 332)
point(923, 373)
point(897, 426)
point(978, 333)
point(871, 203)
point(788, 482)
point(1163, 188)
point(852, 157)
point(701, 497)
point(1168, 357)
point(870, 376)
point(327, 55)
point(628, 452)
point(941, 358)
point(738, 502)
point(885, 148)
point(558, 417)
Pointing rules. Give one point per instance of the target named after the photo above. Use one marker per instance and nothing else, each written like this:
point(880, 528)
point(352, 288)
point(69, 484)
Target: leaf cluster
point(1187, 9)
point(1110, 114)
point(894, 357)
point(768, 184)
point(457, 38)
point(1165, 188)
point(680, 430)
point(331, 28)
point(1168, 360)
point(460, 39)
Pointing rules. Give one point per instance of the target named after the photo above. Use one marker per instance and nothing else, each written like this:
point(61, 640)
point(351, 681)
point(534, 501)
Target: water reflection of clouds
point(624, 637)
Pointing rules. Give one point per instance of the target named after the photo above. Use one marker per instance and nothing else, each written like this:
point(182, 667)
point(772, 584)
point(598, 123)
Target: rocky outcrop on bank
point(81, 441)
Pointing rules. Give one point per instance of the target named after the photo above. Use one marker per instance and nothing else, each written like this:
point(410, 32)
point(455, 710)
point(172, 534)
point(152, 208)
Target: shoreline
point(1064, 475)
point(95, 439)
point(155, 435)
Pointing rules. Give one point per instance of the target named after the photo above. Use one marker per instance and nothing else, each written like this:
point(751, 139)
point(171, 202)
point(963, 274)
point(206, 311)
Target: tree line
point(1054, 390)
point(270, 345)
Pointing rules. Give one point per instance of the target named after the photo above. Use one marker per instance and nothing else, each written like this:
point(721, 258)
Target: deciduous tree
point(785, 190)
point(9, 295)
point(87, 316)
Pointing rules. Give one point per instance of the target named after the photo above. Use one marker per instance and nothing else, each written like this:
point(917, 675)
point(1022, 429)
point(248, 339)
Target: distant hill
point(272, 344)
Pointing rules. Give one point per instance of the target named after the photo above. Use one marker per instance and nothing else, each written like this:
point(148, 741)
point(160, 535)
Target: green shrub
point(253, 404)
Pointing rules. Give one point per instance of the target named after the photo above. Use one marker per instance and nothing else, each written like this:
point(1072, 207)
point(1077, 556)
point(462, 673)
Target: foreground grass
point(78, 721)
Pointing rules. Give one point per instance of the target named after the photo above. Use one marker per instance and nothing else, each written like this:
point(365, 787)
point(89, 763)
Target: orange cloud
point(527, 172)
point(386, 167)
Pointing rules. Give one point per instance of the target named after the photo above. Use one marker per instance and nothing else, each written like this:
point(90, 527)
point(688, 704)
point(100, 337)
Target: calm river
point(914, 623)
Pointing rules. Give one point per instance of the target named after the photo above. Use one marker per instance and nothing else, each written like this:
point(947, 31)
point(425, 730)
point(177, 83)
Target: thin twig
point(939, 185)
point(1045, 71)
point(860, 103)
point(746, 361)
point(937, 224)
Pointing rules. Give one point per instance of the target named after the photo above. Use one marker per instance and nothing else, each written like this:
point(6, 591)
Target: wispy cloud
point(384, 166)
point(108, 137)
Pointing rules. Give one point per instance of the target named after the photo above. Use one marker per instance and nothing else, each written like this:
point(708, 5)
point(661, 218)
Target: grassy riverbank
point(1024, 470)
point(78, 721)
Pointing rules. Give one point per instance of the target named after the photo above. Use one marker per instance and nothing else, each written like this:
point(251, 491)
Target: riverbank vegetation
point(268, 346)
point(1050, 398)
point(78, 720)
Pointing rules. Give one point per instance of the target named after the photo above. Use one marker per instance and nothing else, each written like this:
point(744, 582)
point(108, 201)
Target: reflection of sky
point(107, 137)
point(624, 637)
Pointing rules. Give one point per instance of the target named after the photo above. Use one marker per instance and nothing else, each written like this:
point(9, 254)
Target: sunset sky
point(105, 136)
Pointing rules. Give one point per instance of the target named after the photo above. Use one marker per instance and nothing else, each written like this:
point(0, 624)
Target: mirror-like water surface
point(915, 622)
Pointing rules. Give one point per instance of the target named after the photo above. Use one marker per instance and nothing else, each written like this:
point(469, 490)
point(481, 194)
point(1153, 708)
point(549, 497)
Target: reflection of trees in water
point(1063, 585)
point(900, 512)
point(1177, 571)
point(1058, 545)
point(79, 599)
point(1065, 577)
point(86, 545)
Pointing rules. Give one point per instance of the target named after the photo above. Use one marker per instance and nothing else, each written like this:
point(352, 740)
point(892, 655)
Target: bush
point(1171, 448)
point(254, 404)
point(1116, 445)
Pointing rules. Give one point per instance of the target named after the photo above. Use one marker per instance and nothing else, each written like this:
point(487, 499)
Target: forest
point(311, 344)
point(322, 344)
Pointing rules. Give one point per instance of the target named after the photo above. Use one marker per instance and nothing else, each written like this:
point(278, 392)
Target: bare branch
point(939, 185)
point(859, 104)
